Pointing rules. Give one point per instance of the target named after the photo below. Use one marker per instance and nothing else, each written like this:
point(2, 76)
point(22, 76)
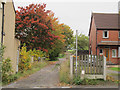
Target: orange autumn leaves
point(38, 28)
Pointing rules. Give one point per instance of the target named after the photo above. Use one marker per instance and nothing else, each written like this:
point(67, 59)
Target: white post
point(71, 67)
point(17, 59)
point(76, 51)
point(104, 72)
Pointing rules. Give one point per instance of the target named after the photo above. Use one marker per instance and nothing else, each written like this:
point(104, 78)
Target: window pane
point(105, 33)
point(113, 53)
point(118, 51)
point(101, 51)
point(119, 34)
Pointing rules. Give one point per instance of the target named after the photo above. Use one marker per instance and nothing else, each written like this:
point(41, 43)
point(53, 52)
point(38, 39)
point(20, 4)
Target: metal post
point(71, 67)
point(17, 59)
point(76, 51)
point(104, 72)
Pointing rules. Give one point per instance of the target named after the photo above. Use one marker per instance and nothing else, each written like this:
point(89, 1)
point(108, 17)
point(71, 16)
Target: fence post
point(71, 67)
point(104, 72)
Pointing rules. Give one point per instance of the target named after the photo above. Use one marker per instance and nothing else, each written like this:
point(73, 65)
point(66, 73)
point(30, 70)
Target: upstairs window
point(119, 34)
point(105, 34)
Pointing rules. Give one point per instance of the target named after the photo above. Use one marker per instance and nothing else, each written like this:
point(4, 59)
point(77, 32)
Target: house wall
point(92, 37)
point(113, 36)
point(116, 59)
point(113, 60)
point(9, 40)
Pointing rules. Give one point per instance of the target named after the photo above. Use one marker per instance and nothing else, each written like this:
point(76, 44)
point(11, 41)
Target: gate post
point(71, 67)
point(104, 71)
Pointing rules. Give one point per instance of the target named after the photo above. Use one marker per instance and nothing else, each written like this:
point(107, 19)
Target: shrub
point(7, 73)
point(78, 81)
point(37, 53)
point(24, 62)
point(25, 57)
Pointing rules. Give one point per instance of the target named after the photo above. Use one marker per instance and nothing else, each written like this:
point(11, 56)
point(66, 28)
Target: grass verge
point(64, 72)
point(115, 68)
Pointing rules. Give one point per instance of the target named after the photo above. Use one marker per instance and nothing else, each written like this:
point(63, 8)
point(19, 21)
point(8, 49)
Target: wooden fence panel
point(92, 65)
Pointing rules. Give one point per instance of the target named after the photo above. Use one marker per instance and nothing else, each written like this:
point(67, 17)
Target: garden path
point(47, 77)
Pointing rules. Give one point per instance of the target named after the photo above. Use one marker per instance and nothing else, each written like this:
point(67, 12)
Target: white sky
point(75, 13)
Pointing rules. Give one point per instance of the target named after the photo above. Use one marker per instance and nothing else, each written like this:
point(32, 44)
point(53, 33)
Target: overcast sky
point(75, 13)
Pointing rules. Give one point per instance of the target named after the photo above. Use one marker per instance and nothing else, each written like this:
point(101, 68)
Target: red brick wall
point(113, 36)
point(92, 38)
point(115, 60)
point(112, 59)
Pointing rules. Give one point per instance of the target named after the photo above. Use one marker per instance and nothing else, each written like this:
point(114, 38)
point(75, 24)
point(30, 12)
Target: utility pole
point(76, 51)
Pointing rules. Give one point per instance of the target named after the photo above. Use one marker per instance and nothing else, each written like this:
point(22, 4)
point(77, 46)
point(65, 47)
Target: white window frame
point(102, 51)
point(107, 34)
point(119, 34)
point(115, 53)
point(118, 51)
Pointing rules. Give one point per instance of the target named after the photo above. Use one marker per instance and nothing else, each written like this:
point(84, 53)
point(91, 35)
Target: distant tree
point(83, 42)
point(68, 33)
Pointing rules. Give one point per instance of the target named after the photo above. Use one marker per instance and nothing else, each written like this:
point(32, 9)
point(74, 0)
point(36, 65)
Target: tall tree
point(34, 28)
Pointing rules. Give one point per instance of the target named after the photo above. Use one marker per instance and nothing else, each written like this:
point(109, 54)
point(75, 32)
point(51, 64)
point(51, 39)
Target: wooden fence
point(88, 66)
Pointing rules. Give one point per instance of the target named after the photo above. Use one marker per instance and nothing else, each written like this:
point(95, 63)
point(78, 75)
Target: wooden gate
point(92, 67)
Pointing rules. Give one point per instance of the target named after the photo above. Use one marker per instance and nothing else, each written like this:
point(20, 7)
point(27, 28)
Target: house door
point(107, 54)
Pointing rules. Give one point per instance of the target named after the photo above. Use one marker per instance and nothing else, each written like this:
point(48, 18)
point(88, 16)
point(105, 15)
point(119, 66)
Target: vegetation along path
point(47, 77)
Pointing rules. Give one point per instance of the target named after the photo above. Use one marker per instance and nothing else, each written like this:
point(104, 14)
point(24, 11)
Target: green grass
point(64, 72)
point(70, 50)
point(61, 56)
point(35, 67)
point(115, 68)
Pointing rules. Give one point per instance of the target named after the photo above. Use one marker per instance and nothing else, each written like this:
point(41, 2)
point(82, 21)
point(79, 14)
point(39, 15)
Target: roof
point(109, 43)
point(105, 21)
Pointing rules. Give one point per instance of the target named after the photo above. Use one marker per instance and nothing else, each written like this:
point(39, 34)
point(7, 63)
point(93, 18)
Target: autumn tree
point(68, 33)
point(34, 28)
point(59, 43)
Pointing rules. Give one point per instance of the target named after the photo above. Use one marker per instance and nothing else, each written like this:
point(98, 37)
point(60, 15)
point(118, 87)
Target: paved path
point(45, 78)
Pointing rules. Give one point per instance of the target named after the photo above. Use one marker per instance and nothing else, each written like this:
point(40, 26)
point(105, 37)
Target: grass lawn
point(61, 56)
point(70, 50)
point(115, 68)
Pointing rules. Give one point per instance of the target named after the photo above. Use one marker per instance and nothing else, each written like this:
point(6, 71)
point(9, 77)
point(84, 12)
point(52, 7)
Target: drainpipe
point(96, 42)
point(2, 33)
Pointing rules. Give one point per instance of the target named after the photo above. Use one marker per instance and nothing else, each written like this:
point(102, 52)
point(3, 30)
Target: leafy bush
point(78, 81)
point(37, 53)
point(25, 57)
point(7, 73)
point(24, 62)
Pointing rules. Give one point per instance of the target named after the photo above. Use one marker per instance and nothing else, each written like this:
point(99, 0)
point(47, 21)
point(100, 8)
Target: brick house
point(104, 36)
